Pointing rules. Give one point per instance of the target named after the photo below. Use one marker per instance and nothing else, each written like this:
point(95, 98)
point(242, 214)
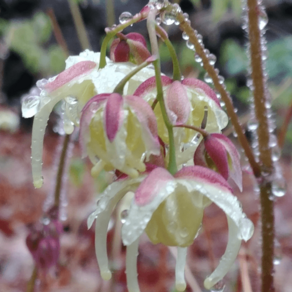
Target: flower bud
point(129, 48)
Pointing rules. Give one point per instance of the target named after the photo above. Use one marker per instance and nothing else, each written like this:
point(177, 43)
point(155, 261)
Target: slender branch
point(32, 280)
point(197, 129)
point(243, 265)
point(259, 93)
point(60, 172)
point(110, 12)
point(172, 167)
point(284, 128)
point(79, 25)
point(185, 26)
point(57, 31)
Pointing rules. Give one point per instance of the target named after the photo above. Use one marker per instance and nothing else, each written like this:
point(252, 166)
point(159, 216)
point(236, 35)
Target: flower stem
point(201, 131)
point(31, 282)
point(185, 26)
point(175, 63)
point(172, 167)
point(259, 94)
point(60, 171)
point(110, 12)
point(79, 25)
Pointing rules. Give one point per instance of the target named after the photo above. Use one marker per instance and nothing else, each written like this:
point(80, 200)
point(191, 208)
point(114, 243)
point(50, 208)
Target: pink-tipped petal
point(177, 103)
point(199, 155)
point(203, 174)
point(139, 52)
point(150, 84)
point(196, 83)
point(218, 154)
point(87, 113)
point(113, 115)
point(121, 53)
point(134, 36)
point(69, 74)
point(235, 171)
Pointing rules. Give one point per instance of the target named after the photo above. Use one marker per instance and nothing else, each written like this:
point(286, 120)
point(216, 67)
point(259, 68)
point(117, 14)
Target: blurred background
point(36, 36)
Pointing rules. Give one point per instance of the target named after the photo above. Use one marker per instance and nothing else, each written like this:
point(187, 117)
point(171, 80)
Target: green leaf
point(42, 27)
point(219, 8)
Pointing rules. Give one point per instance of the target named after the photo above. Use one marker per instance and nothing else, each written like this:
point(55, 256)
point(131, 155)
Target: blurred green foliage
point(29, 39)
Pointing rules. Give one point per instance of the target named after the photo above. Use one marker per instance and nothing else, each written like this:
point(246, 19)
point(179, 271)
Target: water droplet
point(252, 124)
point(158, 20)
point(30, 106)
point(207, 78)
point(160, 4)
point(279, 187)
point(222, 103)
point(125, 16)
point(71, 100)
point(186, 16)
point(68, 127)
point(190, 45)
point(124, 215)
point(277, 253)
point(198, 59)
point(184, 232)
point(185, 36)
point(200, 38)
point(212, 59)
point(221, 79)
point(276, 153)
point(263, 18)
point(218, 287)
point(46, 220)
point(41, 83)
point(176, 22)
point(169, 15)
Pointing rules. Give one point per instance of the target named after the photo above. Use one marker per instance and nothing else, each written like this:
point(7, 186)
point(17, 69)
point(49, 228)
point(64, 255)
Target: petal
point(196, 83)
point(228, 258)
point(131, 267)
point(180, 283)
point(138, 51)
point(137, 37)
point(88, 112)
point(158, 185)
point(177, 103)
point(150, 85)
point(113, 115)
point(121, 52)
point(199, 155)
point(70, 74)
point(235, 171)
point(218, 154)
point(147, 119)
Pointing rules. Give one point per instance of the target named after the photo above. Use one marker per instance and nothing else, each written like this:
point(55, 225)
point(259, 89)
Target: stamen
point(97, 168)
point(228, 258)
point(38, 133)
point(131, 267)
point(180, 283)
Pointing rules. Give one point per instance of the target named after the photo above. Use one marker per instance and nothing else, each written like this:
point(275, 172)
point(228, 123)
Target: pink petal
point(196, 83)
point(218, 154)
point(235, 171)
point(134, 36)
point(199, 155)
point(113, 115)
point(69, 74)
point(152, 185)
point(177, 103)
point(204, 174)
point(88, 111)
point(138, 51)
point(121, 51)
point(150, 84)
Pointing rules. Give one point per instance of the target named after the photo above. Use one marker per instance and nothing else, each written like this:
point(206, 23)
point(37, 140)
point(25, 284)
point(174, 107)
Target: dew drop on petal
point(184, 232)
point(125, 16)
point(124, 215)
point(30, 106)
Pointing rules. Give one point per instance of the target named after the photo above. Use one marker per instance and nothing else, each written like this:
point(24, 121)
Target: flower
point(131, 47)
point(80, 81)
point(170, 209)
point(119, 131)
point(189, 102)
point(217, 152)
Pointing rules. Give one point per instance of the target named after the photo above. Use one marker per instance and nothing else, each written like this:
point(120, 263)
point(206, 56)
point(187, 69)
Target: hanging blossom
point(80, 81)
point(118, 132)
point(191, 102)
point(170, 210)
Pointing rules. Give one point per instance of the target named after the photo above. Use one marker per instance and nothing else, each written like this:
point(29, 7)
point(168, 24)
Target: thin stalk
point(110, 12)
point(79, 25)
point(267, 205)
point(185, 26)
point(243, 266)
point(32, 280)
point(175, 63)
point(172, 167)
point(60, 172)
point(57, 32)
point(201, 131)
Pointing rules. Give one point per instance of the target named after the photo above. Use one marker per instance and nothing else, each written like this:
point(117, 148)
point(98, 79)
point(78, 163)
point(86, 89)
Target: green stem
point(120, 87)
point(111, 34)
point(172, 167)
point(110, 12)
point(175, 63)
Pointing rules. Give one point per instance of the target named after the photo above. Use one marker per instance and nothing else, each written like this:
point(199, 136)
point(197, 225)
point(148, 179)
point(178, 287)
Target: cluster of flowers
point(124, 131)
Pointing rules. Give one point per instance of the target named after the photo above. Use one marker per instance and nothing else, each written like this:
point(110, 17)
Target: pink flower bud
point(129, 48)
point(218, 152)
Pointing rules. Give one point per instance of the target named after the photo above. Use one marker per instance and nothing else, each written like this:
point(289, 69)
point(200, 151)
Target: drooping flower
point(131, 47)
point(217, 152)
point(80, 81)
point(118, 133)
point(189, 102)
point(170, 210)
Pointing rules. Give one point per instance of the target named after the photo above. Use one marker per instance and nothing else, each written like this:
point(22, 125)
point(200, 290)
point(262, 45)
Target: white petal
point(131, 267)
point(180, 282)
point(228, 258)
